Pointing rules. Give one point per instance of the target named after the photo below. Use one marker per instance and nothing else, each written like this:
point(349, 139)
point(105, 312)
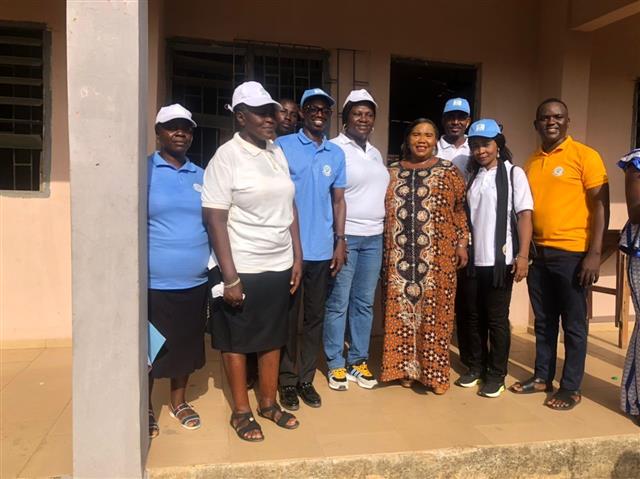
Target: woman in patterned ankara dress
point(630, 391)
point(426, 236)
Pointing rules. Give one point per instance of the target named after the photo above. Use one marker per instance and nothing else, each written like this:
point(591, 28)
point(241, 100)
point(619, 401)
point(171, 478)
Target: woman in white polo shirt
point(248, 202)
point(352, 292)
point(500, 205)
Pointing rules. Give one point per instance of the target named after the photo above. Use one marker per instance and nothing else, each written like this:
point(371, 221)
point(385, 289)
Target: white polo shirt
point(482, 198)
point(255, 186)
point(459, 156)
point(367, 181)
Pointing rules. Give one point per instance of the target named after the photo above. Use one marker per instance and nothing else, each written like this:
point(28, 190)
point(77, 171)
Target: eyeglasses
point(314, 110)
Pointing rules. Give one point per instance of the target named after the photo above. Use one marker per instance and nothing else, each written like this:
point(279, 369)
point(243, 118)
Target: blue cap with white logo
point(486, 128)
point(457, 104)
point(311, 92)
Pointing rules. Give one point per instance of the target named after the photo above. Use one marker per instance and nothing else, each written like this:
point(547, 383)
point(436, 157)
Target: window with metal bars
point(22, 107)
point(202, 77)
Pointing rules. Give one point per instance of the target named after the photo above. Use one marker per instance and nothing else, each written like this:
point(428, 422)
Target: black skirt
point(261, 323)
point(180, 315)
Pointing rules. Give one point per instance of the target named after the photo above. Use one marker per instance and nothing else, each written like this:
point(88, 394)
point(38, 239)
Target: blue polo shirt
point(178, 243)
point(315, 170)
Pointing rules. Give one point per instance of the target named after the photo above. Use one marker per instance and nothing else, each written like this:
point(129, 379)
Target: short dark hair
point(350, 105)
point(551, 100)
point(404, 148)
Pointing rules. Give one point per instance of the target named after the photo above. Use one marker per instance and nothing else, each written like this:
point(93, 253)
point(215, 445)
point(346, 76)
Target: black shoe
point(492, 388)
point(469, 379)
point(289, 398)
point(309, 395)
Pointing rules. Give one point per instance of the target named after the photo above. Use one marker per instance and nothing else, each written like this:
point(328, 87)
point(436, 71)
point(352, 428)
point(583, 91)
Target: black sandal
point(245, 423)
point(567, 397)
point(154, 429)
point(529, 386)
point(282, 420)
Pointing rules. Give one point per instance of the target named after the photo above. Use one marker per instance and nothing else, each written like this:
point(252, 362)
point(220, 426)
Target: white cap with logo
point(251, 93)
point(173, 112)
point(359, 95)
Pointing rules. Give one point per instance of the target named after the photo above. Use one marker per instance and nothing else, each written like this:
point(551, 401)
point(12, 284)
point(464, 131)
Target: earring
point(498, 156)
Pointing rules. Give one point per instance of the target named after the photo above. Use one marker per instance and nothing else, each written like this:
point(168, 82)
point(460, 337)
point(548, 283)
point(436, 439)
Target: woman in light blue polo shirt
point(178, 256)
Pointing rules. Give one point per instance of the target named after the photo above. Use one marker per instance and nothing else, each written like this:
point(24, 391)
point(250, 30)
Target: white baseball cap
point(251, 93)
point(171, 112)
point(359, 95)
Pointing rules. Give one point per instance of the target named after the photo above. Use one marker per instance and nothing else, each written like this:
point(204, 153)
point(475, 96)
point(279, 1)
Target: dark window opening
point(22, 101)
point(202, 77)
point(420, 88)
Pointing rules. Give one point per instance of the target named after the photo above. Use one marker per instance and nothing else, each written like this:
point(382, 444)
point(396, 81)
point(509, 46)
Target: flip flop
point(567, 397)
point(529, 386)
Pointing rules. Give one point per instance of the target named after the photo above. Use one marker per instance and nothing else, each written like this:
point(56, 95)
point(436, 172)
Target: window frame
point(44, 189)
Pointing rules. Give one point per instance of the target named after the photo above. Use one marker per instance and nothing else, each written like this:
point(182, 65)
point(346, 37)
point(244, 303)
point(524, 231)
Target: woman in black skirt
point(252, 223)
point(178, 255)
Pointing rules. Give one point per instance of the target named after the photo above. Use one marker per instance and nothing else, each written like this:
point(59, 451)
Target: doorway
point(420, 88)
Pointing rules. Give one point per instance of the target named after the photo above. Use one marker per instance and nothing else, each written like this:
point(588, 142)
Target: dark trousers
point(484, 322)
point(463, 339)
point(557, 297)
point(313, 293)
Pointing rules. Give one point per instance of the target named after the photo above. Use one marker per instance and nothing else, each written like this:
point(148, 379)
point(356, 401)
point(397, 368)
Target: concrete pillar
point(107, 80)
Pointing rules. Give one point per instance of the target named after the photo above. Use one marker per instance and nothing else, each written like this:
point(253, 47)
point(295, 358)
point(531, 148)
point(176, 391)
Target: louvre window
point(22, 101)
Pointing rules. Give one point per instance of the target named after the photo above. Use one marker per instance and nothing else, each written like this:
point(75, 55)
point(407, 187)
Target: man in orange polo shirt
point(571, 197)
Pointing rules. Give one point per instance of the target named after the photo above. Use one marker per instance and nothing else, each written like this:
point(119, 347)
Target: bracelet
point(233, 283)
point(340, 237)
point(460, 245)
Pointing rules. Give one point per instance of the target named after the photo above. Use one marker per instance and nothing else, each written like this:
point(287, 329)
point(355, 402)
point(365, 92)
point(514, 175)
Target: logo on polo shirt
point(558, 171)
point(197, 187)
point(326, 170)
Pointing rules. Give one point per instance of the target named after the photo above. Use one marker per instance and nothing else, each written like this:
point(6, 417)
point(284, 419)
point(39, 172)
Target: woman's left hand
point(520, 268)
point(296, 275)
point(462, 257)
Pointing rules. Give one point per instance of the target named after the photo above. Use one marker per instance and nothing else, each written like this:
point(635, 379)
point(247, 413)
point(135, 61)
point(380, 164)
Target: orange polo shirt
point(559, 182)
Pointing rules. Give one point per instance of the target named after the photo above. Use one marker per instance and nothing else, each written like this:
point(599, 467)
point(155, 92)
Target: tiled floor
point(36, 415)
point(35, 409)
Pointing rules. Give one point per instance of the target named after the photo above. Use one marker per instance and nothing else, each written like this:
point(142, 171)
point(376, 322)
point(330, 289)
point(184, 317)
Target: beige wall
point(35, 232)
point(35, 256)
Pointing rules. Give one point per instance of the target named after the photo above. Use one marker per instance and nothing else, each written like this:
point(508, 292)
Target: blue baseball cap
point(457, 104)
point(311, 92)
point(486, 128)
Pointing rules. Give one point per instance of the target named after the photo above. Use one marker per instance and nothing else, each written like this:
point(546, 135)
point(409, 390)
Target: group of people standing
point(288, 233)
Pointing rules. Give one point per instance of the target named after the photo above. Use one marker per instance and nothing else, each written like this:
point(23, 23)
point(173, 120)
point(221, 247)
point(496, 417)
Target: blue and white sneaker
point(360, 374)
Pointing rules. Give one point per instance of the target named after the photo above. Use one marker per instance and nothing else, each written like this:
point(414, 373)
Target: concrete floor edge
point(616, 457)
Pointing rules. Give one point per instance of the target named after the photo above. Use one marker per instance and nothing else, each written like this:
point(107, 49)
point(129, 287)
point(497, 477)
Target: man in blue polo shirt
point(317, 168)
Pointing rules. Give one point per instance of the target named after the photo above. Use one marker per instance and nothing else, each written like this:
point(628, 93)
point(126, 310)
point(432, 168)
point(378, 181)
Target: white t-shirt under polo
point(367, 181)
point(482, 198)
point(459, 156)
point(255, 186)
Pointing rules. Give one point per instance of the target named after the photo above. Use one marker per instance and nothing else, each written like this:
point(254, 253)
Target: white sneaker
point(360, 374)
point(338, 379)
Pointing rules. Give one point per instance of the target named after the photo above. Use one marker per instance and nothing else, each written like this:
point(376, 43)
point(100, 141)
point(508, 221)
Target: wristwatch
point(340, 237)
